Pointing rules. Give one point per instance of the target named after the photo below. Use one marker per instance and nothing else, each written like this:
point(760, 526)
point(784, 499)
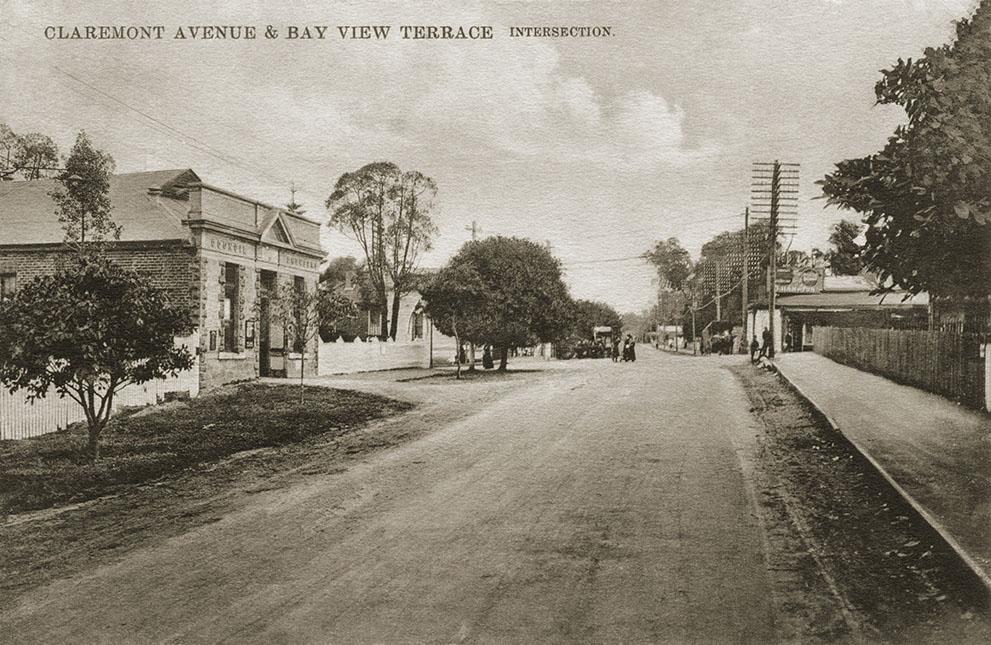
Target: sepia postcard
point(509, 321)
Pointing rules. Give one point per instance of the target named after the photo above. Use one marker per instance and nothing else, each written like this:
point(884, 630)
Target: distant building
point(220, 254)
point(808, 298)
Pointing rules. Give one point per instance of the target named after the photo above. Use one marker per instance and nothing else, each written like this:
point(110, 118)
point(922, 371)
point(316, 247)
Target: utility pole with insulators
point(774, 196)
point(745, 286)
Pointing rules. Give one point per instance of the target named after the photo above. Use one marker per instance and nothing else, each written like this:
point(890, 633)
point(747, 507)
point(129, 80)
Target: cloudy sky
point(598, 146)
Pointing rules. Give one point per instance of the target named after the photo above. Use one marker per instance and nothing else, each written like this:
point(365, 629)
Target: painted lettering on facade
point(297, 261)
point(228, 246)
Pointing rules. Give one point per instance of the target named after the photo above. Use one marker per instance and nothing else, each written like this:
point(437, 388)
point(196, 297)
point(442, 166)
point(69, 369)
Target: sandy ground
point(598, 503)
point(589, 502)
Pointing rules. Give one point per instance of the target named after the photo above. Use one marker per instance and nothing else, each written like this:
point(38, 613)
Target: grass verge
point(138, 447)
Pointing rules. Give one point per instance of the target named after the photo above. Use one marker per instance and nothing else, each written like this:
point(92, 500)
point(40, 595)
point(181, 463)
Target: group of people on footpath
point(629, 350)
point(759, 351)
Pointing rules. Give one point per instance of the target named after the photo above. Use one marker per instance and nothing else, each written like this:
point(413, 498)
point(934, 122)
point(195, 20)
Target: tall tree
point(844, 257)
point(409, 231)
point(672, 261)
point(387, 211)
point(31, 156)
point(357, 208)
point(500, 291)
point(82, 200)
point(926, 196)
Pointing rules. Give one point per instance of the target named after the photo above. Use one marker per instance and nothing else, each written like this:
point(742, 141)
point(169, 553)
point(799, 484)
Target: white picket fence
point(21, 419)
point(340, 357)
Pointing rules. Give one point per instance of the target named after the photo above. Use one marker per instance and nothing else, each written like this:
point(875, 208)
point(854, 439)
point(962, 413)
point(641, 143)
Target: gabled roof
point(27, 213)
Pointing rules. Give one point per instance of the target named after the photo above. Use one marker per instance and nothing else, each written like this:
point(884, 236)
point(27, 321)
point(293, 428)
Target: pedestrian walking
point(754, 348)
point(615, 351)
point(629, 349)
point(487, 358)
point(766, 347)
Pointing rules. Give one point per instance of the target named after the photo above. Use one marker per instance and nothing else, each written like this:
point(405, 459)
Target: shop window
point(232, 299)
point(8, 283)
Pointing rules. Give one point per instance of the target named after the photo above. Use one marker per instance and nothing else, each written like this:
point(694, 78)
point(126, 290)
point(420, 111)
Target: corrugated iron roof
point(27, 213)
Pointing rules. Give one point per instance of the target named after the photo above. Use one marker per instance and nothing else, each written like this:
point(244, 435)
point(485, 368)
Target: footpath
point(936, 452)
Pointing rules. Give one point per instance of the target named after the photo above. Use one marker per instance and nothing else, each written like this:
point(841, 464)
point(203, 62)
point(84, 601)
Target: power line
point(175, 132)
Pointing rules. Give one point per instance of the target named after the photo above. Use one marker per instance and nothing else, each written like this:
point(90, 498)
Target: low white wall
point(339, 357)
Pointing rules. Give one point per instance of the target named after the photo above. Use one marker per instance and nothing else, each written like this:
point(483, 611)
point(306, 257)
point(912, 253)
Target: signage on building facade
point(228, 245)
point(799, 280)
point(298, 261)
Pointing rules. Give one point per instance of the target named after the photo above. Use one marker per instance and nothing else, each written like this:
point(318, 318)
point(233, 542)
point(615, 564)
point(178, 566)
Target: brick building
point(220, 254)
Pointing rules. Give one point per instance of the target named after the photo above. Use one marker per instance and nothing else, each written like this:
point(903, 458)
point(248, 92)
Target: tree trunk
point(457, 351)
point(302, 362)
point(396, 297)
point(94, 443)
point(384, 317)
point(503, 358)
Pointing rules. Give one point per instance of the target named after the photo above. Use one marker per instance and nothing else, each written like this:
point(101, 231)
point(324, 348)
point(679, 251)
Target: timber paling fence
point(943, 362)
point(21, 419)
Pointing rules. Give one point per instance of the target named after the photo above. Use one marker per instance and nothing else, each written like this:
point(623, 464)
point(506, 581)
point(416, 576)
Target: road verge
point(980, 580)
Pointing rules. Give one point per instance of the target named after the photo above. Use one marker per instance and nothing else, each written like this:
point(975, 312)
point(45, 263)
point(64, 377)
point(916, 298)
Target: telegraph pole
point(775, 191)
point(474, 228)
point(745, 286)
point(719, 288)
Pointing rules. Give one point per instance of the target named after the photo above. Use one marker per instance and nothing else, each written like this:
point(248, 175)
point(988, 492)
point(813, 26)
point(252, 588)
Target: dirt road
point(603, 503)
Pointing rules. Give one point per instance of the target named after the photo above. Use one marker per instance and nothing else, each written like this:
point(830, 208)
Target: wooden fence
point(947, 363)
point(20, 419)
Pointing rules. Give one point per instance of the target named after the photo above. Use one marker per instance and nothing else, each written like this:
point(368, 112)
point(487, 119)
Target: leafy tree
point(926, 196)
point(452, 297)
point(87, 331)
point(587, 314)
point(672, 261)
point(409, 230)
point(387, 211)
point(32, 155)
point(83, 199)
point(500, 291)
point(335, 274)
point(357, 208)
point(844, 258)
point(302, 312)
point(91, 327)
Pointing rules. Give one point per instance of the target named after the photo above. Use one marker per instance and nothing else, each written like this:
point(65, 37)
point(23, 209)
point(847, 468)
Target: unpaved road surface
point(604, 502)
point(591, 502)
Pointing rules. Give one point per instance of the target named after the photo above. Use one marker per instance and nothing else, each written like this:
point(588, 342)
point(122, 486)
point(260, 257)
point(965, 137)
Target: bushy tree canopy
point(844, 257)
point(500, 291)
point(87, 331)
point(672, 261)
point(588, 314)
point(926, 196)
